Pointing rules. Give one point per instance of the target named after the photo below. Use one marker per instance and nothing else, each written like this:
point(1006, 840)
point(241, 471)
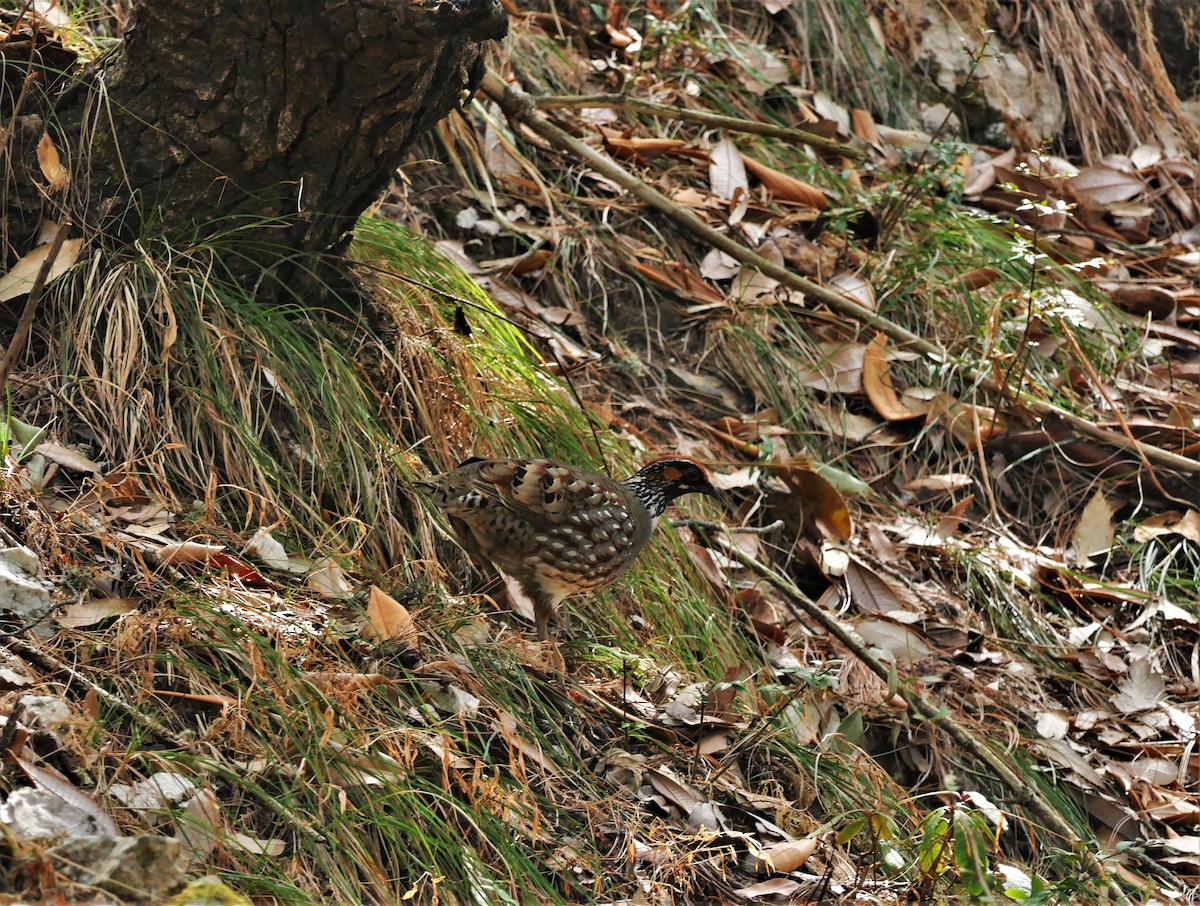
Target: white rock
point(21, 588)
point(38, 815)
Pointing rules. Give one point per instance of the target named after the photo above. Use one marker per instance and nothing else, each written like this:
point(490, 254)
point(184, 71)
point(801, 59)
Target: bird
point(557, 529)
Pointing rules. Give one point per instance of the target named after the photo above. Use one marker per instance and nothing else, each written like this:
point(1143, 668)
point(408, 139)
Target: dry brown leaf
point(682, 281)
point(962, 167)
point(838, 371)
point(871, 593)
point(786, 188)
point(59, 786)
point(52, 168)
point(1170, 523)
point(640, 148)
point(1094, 532)
point(1141, 689)
point(751, 284)
point(905, 644)
point(67, 456)
point(849, 426)
point(197, 828)
point(814, 494)
point(76, 616)
point(498, 151)
point(877, 383)
point(855, 288)
point(388, 619)
point(1053, 724)
point(967, 423)
point(1096, 187)
point(255, 846)
point(727, 172)
point(703, 560)
point(329, 580)
point(1138, 299)
point(862, 124)
point(775, 887)
point(785, 856)
point(951, 519)
point(682, 795)
point(978, 278)
point(718, 265)
point(981, 178)
point(950, 481)
point(19, 280)
point(182, 553)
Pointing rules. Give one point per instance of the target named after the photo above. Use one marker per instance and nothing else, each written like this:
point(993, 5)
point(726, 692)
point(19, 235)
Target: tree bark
point(283, 121)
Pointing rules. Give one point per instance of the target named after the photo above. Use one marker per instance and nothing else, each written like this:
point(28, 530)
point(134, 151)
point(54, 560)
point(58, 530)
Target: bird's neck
point(650, 494)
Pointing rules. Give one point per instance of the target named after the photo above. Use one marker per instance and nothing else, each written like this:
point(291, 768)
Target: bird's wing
point(542, 492)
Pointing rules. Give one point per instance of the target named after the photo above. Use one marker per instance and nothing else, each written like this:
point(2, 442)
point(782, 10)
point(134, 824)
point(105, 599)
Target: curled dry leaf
point(1170, 523)
point(838, 371)
point(52, 168)
point(977, 278)
point(389, 620)
point(76, 616)
point(183, 553)
point(877, 383)
point(255, 846)
point(329, 580)
point(871, 593)
point(862, 124)
point(969, 424)
point(718, 265)
point(198, 828)
point(682, 281)
point(640, 149)
point(751, 284)
point(855, 288)
point(68, 457)
point(703, 560)
point(20, 280)
point(775, 887)
point(785, 856)
point(814, 494)
point(786, 188)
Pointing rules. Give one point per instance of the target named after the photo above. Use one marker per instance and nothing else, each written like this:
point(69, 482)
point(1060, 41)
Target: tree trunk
point(282, 121)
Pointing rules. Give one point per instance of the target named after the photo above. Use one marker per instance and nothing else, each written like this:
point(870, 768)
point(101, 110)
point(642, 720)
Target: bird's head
point(659, 482)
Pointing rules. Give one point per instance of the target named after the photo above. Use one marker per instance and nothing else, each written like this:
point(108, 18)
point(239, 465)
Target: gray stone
point(21, 589)
point(1015, 91)
point(145, 868)
point(40, 815)
point(45, 711)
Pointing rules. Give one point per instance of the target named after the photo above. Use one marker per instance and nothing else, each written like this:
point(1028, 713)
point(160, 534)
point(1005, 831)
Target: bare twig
point(704, 118)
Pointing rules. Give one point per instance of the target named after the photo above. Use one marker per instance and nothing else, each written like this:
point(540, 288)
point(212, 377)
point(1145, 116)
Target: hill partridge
point(558, 529)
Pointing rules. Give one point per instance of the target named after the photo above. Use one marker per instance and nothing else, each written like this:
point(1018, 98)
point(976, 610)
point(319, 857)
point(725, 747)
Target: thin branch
point(852, 150)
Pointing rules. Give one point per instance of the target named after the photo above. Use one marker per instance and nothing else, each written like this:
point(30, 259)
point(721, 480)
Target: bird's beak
point(708, 491)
